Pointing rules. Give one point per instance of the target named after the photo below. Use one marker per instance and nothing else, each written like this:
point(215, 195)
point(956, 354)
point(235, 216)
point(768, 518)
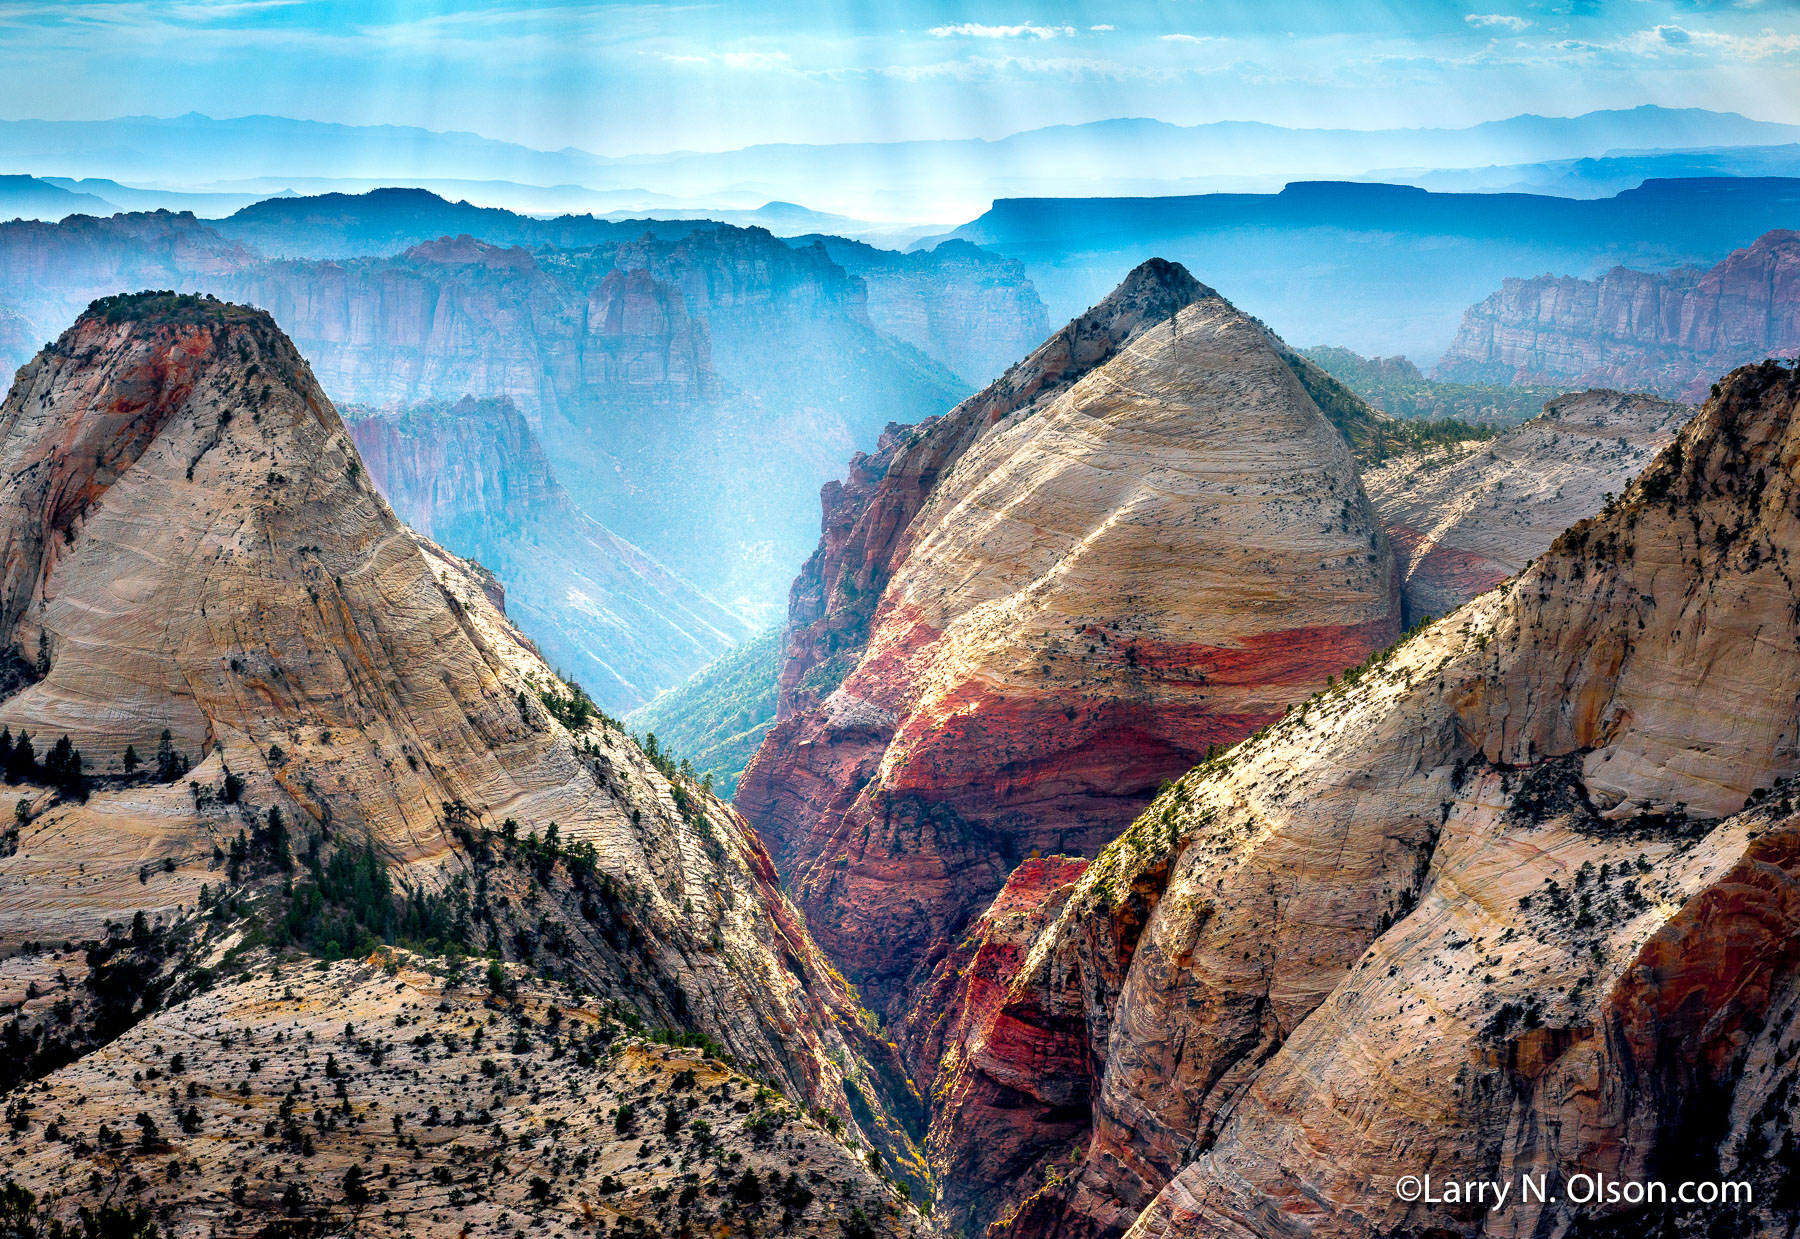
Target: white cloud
point(1026, 30)
point(1667, 40)
point(1099, 28)
point(1500, 21)
point(756, 60)
point(1187, 38)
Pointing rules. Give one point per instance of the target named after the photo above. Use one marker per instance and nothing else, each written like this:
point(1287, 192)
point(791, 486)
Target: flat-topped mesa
point(1520, 899)
point(257, 661)
point(1142, 541)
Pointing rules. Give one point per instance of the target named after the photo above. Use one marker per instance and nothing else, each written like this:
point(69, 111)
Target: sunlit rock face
point(1672, 333)
point(1521, 898)
point(1463, 519)
point(1141, 541)
point(196, 561)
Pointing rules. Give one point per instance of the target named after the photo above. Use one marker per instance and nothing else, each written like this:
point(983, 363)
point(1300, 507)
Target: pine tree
point(21, 763)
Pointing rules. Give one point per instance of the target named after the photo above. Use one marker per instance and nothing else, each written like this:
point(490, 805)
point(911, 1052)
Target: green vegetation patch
point(1396, 387)
point(720, 715)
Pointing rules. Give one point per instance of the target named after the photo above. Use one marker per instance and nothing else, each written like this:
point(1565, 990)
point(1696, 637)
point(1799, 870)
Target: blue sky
point(618, 78)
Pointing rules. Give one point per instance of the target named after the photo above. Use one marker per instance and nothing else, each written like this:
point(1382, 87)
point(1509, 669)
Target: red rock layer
point(1005, 1080)
point(1668, 332)
point(1143, 541)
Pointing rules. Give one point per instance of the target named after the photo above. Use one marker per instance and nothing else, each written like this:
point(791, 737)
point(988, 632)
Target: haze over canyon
point(767, 621)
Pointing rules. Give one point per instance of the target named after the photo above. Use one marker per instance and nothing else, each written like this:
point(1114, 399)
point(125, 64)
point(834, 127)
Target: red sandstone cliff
point(1142, 541)
point(1670, 332)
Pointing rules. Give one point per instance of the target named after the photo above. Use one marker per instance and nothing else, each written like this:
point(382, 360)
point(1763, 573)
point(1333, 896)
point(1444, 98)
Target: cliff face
point(1026, 613)
point(1464, 519)
point(49, 272)
point(1668, 333)
point(689, 391)
point(355, 743)
point(1520, 899)
point(973, 310)
point(693, 383)
point(473, 477)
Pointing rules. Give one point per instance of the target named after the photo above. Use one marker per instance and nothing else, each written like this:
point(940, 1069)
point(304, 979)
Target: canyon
point(473, 477)
point(1125, 850)
point(300, 730)
point(692, 384)
point(1670, 333)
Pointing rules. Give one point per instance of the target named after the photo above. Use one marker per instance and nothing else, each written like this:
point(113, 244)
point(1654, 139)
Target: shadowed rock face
point(1462, 521)
point(472, 476)
point(193, 546)
point(1670, 332)
point(1523, 898)
point(1026, 613)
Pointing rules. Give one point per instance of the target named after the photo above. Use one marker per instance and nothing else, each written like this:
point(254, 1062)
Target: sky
point(622, 78)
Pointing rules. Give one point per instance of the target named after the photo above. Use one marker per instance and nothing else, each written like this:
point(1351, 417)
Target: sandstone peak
point(264, 672)
point(1143, 540)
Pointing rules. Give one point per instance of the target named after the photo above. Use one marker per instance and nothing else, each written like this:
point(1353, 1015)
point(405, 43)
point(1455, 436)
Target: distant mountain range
point(1376, 268)
point(1608, 174)
point(913, 182)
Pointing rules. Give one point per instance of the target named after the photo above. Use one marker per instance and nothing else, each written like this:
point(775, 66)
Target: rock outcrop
point(1142, 541)
point(402, 1100)
point(342, 739)
point(1520, 898)
point(972, 309)
point(1667, 332)
point(473, 477)
point(1463, 519)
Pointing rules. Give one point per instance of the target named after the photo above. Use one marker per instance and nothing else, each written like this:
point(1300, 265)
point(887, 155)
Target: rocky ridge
point(1667, 332)
point(399, 1098)
point(1519, 896)
point(473, 477)
point(1465, 518)
point(355, 742)
point(1027, 612)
